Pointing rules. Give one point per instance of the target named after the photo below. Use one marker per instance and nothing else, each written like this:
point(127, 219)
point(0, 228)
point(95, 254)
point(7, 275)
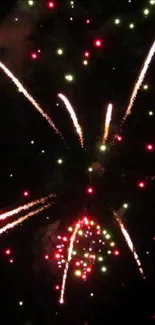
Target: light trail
point(69, 257)
point(28, 96)
point(129, 243)
point(73, 117)
point(107, 122)
point(140, 79)
point(24, 207)
point(15, 223)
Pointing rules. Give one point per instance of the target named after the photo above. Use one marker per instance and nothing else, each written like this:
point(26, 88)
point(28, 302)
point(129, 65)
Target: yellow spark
point(13, 224)
point(129, 242)
point(13, 212)
point(107, 122)
point(73, 116)
point(140, 79)
point(69, 257)
point(28, 96)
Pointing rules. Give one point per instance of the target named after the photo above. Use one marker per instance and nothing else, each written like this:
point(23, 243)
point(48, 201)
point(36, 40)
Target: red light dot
point(57, 256)
point(11, 260)
point(64, 238)
point(116, 253)
point(7, 252)
point(50, 4)
point(86, 54)
point(119, 138)
point(98, 43)
point(149, 147)
point(34, 55)
point(87, 21)
point(26, 193)
point(90, 190)
point(57, 287)
point(141, 184)
point(88, 269)
point(46, 257)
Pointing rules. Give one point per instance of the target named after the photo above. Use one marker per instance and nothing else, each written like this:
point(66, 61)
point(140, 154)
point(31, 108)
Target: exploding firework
point(28, 96)
point(129, 243)
point(140, 79)
point(73, 117)
point(86, 244)
point(107, 122)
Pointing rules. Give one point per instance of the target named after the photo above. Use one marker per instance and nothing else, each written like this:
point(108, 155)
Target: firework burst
point(85, 245)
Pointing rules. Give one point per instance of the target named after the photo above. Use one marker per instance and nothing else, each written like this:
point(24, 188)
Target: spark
point(24, 207)
point(15, 223)
point(140, 79)
point(28, 96)
point(69, 257)
point(107, 122)
point(73, 117)
point(129, 243)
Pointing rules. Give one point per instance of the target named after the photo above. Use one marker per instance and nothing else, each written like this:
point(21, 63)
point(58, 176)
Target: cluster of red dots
point(8, 253)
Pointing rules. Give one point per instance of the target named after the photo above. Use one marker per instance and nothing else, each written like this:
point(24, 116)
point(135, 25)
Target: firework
point(73, 117)
point(24, 207)
point(28, 96)
point(17, 222)
point(129, 243)
point(107, 122)
point(82, 249)
point(140, 79)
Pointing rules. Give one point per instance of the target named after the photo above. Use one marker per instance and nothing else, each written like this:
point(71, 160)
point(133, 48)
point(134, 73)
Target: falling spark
point(69, 257)
point(73, 117)
point(13, 224)
point(24, 207)
point(107, 122)
point(140, 79)
point(129, 243)
point(28, 96)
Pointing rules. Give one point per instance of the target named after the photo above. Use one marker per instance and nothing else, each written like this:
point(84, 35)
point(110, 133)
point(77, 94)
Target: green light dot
point(152, 2)
point(146, 11)
point(117, 21)
point(31, 3)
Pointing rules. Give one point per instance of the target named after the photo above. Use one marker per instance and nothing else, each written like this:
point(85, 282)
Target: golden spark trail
point(28, 96)
point(73, 117)
point(129, 243)
point(140, 79)
point(69, 257)
point(107, 122)
point(13, 224)
point(13, 212)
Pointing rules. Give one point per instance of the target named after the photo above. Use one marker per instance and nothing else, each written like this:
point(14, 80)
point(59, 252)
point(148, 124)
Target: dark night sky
point(121, 295)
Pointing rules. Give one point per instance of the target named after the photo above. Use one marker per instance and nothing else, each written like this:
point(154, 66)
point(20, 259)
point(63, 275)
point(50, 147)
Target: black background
point(120, 295)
